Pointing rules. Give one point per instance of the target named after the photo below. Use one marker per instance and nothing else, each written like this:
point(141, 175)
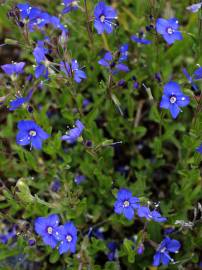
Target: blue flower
point(40, 56)
point(162, 253)
point(56, 185)
point(195, 7)
point(140, 249)
point(104, 18)
point(144, 211)
point(198, 73)
point(67, 235)
point(173, 98)
point(40, 52)
point(168, 230)
point(55, 21)
point(189, 78)
point(126, 203)
point(140, 40)
point(199, 149)
point(19, 101)
point(8, 234)
point(73, 70)
point(30, 133)
point(41, 71)
point(37, 18)
point(46, 227)
point(116, 65)
point(96, 232)
point(79, 179)
point(85, 103)
point(74, 133)
point(169, 29)
point(123, 52)
point(106, 60)
point(25, 10)
point(13, 69)
point(112, 246)
point(70, 5)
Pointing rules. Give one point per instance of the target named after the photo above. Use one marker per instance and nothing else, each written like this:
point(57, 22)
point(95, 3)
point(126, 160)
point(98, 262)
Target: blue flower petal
point(128, 212)
point(173, 246)
point(156, 259)
point(174, 110)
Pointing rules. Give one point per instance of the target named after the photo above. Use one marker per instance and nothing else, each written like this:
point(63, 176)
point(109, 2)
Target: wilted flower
point(46, 228)
point(169, 29)
point(173, 98)
point(104, 18)
point(162, 253)
point(195, 7)
point(67, 235)
point(126, 203)
point(30, 133)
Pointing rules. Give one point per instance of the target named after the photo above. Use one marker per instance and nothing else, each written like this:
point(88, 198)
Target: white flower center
point(102, 18)
point(163, 250)
point(173, 99)
point(50, 230)
point(126, 203)
point(28, 10)
point(170, 30)
point(69, 238)
point(40, 21)
point(74, 4)
point(32, 133)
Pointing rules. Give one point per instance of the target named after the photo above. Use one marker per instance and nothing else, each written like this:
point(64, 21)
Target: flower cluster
point(126, 204)
point(64, 236)
point(51, 57)
point(38, 19)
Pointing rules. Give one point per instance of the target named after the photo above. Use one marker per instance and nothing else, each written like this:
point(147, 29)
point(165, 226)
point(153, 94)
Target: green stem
point(87, 24)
